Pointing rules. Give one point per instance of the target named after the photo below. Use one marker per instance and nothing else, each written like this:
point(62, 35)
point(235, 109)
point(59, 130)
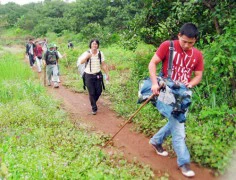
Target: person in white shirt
point(94, 60)
point(30, 51)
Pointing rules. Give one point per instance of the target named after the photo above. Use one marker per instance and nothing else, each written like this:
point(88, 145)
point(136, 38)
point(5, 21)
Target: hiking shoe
point(159, 149)
point(56, 85)
point(94, 112)
point(186, 171)
point(49, 83)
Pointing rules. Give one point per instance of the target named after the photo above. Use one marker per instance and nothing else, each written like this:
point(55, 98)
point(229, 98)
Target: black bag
point(39, 57)
point(51, 57)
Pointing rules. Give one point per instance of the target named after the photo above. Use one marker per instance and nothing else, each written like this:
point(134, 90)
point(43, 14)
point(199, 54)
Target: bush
point(211, 136)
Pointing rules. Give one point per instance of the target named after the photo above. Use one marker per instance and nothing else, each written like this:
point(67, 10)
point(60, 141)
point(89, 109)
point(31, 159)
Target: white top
point(59, 55)
point(31, 49)
point(95, 62)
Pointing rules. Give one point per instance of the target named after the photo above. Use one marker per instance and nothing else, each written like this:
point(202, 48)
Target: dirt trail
point(132, 144)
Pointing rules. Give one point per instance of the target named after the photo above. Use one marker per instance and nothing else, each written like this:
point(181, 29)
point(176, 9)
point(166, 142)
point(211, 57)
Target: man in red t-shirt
point(38, 54)
point(186, 59)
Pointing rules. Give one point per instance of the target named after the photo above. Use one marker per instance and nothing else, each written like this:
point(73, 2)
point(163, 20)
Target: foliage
point(149, 21)
point(211, 136)
point(220, 63)
point(10, 68)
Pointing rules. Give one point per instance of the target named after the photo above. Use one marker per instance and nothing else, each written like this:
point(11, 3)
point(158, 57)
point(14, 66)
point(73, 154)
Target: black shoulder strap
point(100, 57)
point(46, 56)
point(56, 54)
point(86, 63)
point(170, 60)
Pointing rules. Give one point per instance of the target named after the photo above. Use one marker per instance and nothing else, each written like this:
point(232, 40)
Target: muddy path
point(132, 144)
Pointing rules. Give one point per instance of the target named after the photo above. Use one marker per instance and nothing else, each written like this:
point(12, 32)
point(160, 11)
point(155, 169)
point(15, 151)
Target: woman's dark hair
point(93, 40)
point(190, 30)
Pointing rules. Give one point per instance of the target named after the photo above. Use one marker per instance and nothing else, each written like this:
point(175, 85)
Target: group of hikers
point(176, 74)
point(44, 54)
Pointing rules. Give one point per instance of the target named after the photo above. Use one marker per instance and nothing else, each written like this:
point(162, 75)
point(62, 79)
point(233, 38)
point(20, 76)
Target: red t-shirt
point(184, 63)
point(38, 51)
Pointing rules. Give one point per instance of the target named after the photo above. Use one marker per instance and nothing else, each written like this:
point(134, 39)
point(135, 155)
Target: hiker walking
point(50, 60)
point(60, 56)
point(93, 78)
point(38, 55)
point(30, 51)
point(70, 45)
point(186, 59)
point(45, 45)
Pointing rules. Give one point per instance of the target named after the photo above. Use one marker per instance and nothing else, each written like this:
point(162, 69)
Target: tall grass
point(11, 69)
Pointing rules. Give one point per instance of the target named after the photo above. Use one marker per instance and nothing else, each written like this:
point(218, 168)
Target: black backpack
point(51, 57)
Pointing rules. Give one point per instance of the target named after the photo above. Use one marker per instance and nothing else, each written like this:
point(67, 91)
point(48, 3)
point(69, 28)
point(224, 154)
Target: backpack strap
point(46, 56)
point(170, 60)
point(103, 85)
point(83, 77)
point(99, 56)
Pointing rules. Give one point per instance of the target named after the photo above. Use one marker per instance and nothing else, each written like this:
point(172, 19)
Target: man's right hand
point(155, 89)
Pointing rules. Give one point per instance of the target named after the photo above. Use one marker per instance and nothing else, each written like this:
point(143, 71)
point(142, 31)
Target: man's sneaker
point(56, 85)
point(94, 112)
point(49, 83)
point(159, 149)
point(185, 169)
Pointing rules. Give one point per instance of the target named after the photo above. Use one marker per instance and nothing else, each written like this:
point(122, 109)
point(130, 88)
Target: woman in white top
point(94, 60)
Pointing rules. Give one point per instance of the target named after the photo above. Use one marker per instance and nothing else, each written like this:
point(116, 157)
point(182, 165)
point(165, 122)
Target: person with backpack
point(30, 51)
point(186, 59)
point(70, 45)
point(92, 76)
point(38, 55)
point(60, 56)
point(50, 60)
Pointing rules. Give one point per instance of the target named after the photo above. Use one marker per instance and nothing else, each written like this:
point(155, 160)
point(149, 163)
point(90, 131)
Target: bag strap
point(83, 77)
point(99, 56)
point(46, 55)
point(170, 60)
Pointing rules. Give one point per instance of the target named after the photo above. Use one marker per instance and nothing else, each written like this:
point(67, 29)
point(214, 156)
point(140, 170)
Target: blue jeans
point(177, 130)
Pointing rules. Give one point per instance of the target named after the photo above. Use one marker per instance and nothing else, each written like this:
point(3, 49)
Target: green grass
point(38, 141)
point(11, 69)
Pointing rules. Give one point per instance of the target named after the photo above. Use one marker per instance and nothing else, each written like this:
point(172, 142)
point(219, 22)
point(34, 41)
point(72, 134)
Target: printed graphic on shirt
point(182, 66)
